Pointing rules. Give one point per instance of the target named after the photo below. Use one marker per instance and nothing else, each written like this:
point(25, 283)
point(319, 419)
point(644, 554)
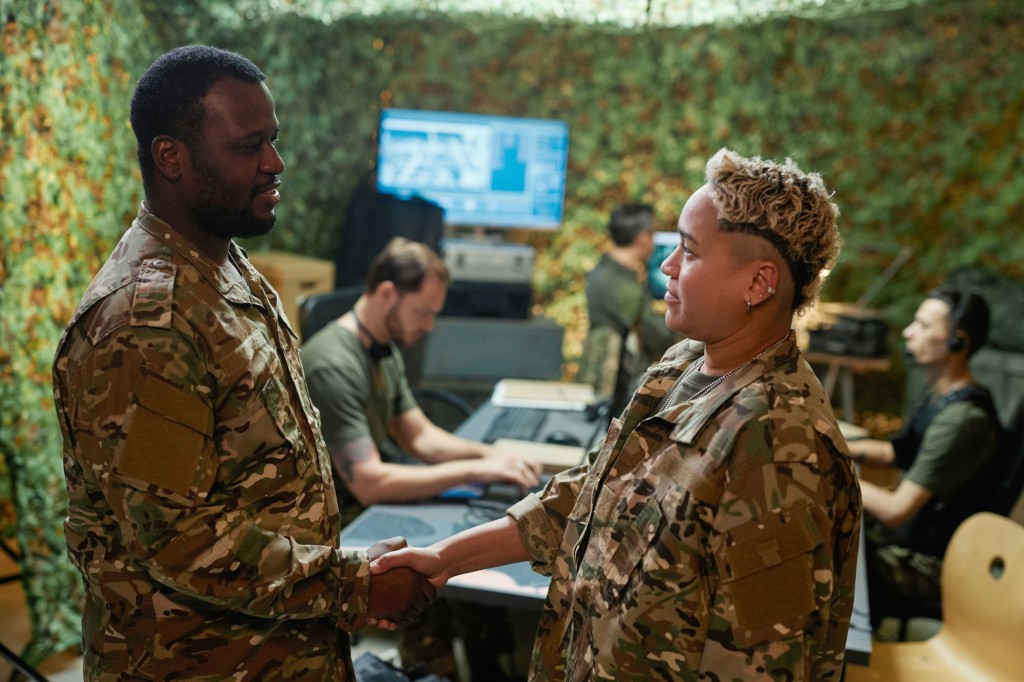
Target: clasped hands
point(403, 581)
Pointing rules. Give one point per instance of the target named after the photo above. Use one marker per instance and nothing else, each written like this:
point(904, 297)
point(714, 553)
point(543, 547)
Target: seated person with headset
point(357, 381)
point(946, 451)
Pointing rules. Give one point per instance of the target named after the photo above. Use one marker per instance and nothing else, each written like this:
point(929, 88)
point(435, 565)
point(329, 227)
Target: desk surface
point(855, 362)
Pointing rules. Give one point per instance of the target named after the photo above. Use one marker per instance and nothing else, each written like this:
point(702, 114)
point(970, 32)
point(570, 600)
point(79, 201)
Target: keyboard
point(518, 423)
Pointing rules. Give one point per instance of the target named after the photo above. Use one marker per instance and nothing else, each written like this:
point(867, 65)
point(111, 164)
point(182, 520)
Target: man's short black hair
point(629, 221)
point(168, 99)
point(968, 312)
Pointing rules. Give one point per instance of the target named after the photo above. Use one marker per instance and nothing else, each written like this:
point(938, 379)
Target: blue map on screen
point(495, 171)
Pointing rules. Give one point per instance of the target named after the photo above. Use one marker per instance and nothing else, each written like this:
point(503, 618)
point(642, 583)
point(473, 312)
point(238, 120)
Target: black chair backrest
point(318, 310)
point(1011, 481)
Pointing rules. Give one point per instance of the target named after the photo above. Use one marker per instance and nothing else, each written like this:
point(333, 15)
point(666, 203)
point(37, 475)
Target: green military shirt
point(705, 539)
point(202, 512)
point(618, 305)
point(356, 397)
point(941, 465)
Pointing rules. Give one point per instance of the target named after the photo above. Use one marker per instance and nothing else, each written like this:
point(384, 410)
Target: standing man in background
point(946, 451)
point(714, 535)
point(202, 516)
point(625, 335)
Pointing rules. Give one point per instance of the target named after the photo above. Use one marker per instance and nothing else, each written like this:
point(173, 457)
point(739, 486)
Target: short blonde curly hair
point(791, 209)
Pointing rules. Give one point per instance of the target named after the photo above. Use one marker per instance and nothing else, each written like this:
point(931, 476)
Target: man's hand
point(399, 563)
point(398, 597)
point(384, 546)
point(516, 469)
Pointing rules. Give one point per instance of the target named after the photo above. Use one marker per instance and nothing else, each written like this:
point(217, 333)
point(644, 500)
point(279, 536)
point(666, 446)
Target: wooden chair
point(982, 609)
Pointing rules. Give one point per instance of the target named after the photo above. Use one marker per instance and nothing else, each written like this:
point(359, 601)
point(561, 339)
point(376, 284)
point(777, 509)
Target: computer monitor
point(664, 244)
point(484, 171)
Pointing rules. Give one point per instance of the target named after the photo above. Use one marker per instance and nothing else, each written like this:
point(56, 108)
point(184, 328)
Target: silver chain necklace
point(699, 362)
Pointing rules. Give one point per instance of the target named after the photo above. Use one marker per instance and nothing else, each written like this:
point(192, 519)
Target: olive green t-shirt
point(958, 441)
point(356, 396)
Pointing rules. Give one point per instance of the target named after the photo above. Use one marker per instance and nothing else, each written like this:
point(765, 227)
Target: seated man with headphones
point(357, 380)
point(946, 451)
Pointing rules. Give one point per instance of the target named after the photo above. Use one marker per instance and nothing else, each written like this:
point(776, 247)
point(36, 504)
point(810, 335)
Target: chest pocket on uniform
point(767, 575)
point(257, 434)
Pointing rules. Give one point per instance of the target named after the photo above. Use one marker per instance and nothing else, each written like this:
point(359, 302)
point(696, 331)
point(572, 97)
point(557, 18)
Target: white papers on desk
point(852, 431)
point(552, 456)
point(548, 395)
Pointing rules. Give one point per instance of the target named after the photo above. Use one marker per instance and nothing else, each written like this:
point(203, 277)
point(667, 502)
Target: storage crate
point(293, 276)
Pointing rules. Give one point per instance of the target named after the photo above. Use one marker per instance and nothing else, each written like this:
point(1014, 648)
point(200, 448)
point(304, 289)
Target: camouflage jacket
point(716, 539)
point(202, 511)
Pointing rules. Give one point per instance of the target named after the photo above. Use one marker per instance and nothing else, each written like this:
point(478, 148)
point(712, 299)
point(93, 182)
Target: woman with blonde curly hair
point(714, 533)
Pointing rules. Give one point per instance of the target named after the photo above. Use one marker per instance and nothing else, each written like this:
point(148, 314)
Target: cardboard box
point(293, 276)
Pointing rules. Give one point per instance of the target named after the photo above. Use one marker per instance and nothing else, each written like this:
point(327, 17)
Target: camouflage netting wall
point(912, 115)
point(68, 186)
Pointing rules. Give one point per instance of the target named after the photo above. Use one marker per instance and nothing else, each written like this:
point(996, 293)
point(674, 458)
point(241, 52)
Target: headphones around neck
point(956, 342)
point(377, 350)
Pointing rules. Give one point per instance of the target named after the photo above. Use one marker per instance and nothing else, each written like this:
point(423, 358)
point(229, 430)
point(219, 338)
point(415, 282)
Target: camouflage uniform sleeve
point(542, 518)
point(772, 551)
point(143, 430)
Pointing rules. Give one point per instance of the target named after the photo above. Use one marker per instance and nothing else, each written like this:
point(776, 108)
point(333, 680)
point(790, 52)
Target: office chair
point(982, 613)
point(1010, 480)
point(1007, 484)
point(317, 310)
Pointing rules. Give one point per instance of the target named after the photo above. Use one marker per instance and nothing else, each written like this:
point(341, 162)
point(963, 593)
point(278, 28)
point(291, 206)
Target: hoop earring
point(750, 306)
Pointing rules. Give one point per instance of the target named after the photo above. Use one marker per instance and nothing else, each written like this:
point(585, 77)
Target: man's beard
point(395, 330)
point(228, 223)
point(214, 212)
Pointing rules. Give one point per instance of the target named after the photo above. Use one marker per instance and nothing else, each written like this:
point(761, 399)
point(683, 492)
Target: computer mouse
point(562, 438)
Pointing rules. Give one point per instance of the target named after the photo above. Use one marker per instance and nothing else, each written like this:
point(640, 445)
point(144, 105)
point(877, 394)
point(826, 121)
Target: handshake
point(403, 582)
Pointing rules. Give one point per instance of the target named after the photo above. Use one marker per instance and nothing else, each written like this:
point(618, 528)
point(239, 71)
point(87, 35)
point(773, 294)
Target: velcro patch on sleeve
point(769, 571)
point(167, 437)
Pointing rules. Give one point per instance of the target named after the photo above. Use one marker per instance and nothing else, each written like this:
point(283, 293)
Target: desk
point(858, 639)
point(841, 369)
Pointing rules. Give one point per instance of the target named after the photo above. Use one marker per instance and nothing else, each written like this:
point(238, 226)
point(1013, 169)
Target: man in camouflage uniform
point(714, 534)
point(625, 334)
point(202, 514)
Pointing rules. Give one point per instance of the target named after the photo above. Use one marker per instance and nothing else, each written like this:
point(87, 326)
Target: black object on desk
point(578, 424)
point(519, 423)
